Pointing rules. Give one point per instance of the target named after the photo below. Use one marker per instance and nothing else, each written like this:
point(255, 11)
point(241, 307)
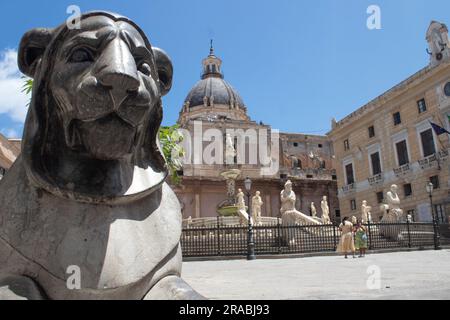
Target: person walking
point(346, 244)
point(361, 239)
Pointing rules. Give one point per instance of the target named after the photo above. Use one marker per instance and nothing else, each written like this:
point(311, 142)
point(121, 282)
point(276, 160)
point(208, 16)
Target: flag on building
point(438, 129)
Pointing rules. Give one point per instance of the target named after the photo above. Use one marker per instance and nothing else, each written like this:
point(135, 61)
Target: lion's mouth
point(106, 138)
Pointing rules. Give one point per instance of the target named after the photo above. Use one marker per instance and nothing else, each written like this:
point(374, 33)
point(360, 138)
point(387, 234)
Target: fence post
point(409, 232)
point(334, 235)
point(280, 237)
point(218, 236)
point(370, 234)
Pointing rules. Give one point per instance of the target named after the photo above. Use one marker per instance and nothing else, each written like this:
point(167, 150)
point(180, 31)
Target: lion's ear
point(165, 70)
point(31, 50)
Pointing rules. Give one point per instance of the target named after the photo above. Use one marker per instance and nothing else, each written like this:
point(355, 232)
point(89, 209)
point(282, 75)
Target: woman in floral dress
point(361, 239)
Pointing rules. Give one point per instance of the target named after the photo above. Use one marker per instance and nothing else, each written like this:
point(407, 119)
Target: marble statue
point(88, 191)
point(288, 198)
point(313, 210)
point(366, 212)
point(392, 211)
point(325, 211)
point(290, 215)
point(242, 208)
point(256, 207)
point(230, 151)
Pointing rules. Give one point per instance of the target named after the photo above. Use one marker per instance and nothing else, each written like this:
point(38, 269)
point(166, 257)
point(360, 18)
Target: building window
point(422, 106)
point(402, 153)
point(338, 213)
point(349, 174)
point(439, 212)
point(353, 204)
point(435, 181)
point(376, 163)
point(397, 118)
point(407, 189)
point(334, 177)
point(380, 197)
point(371, 131)
point(320, 145)
point(295, 144)
point(346, 145)
point(427, 142)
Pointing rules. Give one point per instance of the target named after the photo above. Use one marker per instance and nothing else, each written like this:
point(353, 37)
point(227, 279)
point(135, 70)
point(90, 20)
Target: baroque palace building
point(214, 108)
point(390, 140)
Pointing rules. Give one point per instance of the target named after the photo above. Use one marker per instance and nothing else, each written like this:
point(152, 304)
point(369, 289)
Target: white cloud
point(13, 101)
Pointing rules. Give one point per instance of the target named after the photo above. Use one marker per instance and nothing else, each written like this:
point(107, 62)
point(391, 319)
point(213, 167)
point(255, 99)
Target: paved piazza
point(404, 275)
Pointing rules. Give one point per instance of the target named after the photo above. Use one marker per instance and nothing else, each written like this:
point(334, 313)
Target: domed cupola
point(212, 98)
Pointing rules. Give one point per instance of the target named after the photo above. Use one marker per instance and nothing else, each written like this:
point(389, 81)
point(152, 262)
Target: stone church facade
point(214, 108)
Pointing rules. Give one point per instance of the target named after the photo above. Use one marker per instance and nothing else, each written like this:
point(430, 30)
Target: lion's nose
point(117, 71)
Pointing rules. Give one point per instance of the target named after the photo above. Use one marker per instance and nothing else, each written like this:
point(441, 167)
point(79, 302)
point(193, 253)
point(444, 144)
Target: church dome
point(213, 92)
point(217, 91)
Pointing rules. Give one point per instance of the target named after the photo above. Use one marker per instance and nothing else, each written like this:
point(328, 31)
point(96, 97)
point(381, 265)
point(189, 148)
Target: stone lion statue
point(85, 212)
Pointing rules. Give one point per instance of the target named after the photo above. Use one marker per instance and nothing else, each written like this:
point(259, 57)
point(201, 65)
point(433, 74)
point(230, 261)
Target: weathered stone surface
point(88, 189)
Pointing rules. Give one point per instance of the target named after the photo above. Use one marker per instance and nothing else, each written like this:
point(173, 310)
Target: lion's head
point(91, 131)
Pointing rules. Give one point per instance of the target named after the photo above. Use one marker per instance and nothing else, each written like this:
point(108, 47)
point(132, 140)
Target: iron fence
point(273, 239)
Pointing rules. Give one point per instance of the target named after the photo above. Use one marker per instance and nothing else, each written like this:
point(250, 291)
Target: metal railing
point(273, 239)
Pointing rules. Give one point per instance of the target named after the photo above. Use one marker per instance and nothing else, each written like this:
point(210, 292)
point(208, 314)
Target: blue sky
point(296, 63)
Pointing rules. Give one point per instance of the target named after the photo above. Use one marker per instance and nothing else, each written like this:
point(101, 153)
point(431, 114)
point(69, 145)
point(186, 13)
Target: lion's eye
point(145, 69)
point(81, 55)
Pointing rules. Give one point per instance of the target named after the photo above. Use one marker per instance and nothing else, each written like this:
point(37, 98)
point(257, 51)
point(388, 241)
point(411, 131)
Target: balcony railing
point(403, 170)
point(315, 174)
point(376, 179)
point(428, 162)
point(349, 188)
point(443, 155)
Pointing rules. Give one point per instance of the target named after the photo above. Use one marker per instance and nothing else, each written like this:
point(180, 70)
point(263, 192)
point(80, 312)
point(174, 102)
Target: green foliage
point(27, 87)
point(169, 137)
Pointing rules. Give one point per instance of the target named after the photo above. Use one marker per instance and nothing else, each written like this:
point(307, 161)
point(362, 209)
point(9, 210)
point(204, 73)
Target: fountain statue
point(289, 215)
point(325, 211)
point(256, 207)
point(366, 215)
point(392, 211)
point(242, 208)
point(228, 207)
point(313, 210)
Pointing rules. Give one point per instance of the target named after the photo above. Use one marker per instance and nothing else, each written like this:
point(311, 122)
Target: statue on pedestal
point(392, 211)
point(230, 151)
point(288, 198)
point(88, 190)
point(325, 211)
point(256, 207)
point(313, 210)
point(366, 215)
point(242, 208)
point(289, 215)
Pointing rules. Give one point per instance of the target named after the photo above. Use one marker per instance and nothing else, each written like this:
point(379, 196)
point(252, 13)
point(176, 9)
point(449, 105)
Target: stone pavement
point(403, 275)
